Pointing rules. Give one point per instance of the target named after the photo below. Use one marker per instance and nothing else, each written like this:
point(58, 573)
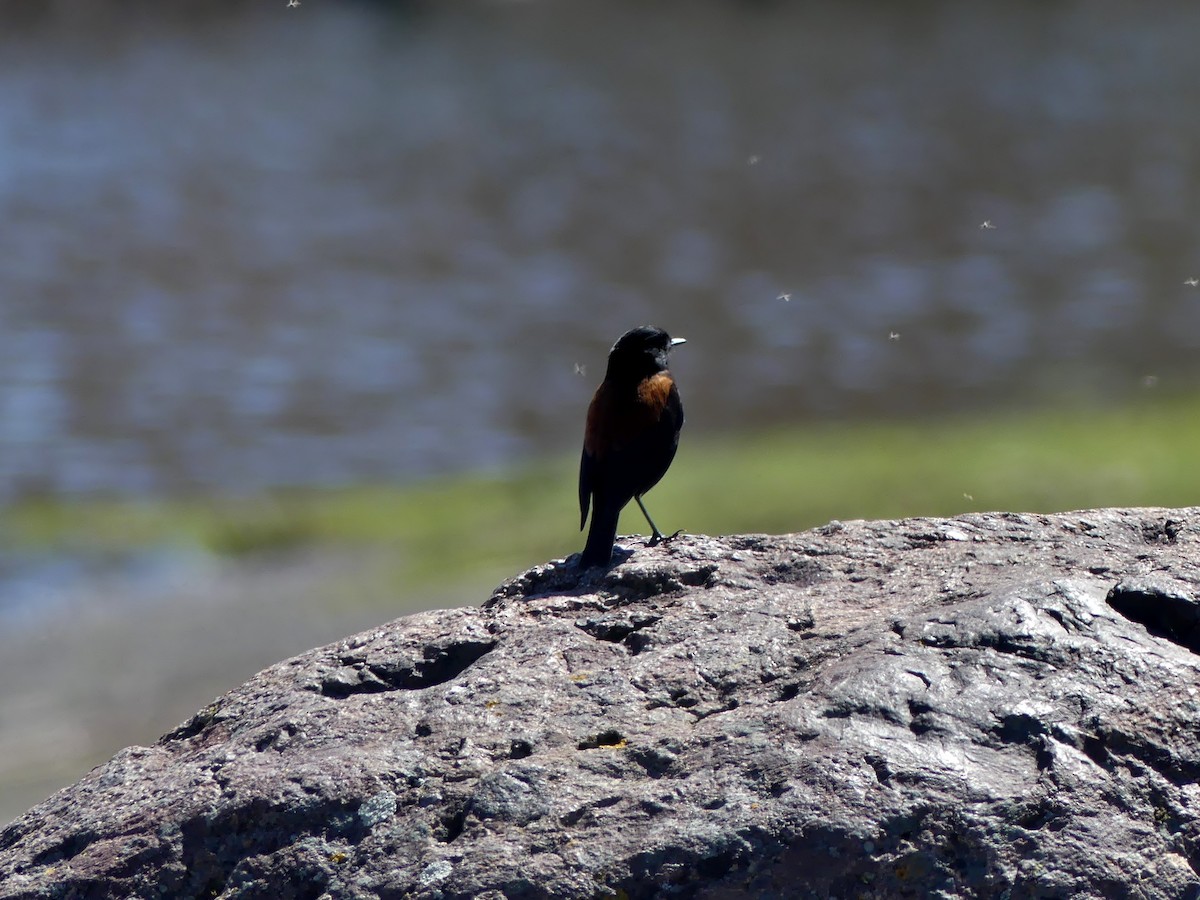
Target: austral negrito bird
point(630, 438)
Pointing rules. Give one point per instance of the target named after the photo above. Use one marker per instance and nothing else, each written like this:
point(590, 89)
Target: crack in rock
point(1166, 611)
point(439, 665)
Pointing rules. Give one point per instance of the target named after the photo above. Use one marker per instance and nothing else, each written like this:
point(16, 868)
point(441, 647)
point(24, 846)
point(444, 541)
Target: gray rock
point(992, 706)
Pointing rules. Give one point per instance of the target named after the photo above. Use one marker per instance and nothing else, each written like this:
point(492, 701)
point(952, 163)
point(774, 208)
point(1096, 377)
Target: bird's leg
point(658, 537)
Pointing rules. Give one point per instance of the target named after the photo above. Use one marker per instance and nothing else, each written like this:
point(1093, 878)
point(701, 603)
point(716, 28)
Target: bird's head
point(641, 351)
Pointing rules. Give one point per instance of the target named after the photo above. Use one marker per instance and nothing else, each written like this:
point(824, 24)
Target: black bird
point(630, 438)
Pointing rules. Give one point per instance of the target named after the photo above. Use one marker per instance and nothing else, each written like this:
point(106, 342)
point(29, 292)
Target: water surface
point(332, 244)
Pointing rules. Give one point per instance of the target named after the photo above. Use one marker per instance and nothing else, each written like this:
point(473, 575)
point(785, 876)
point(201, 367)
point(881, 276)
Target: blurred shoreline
point(112, 670)
point(121, 660)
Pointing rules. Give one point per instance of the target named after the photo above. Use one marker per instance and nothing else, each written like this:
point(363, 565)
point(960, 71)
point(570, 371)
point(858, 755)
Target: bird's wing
point(593, 438)
point(585, 486)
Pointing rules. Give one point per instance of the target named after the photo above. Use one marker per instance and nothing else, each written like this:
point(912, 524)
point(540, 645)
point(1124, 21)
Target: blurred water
point(41, 586)
point(333, 244)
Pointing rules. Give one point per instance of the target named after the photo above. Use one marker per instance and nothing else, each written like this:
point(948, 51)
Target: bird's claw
point(660, 538)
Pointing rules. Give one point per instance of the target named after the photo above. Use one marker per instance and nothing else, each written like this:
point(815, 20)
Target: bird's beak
point(675, 341)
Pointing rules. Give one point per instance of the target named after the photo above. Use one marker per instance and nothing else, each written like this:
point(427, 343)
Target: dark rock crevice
point(1165, 611)
point(438, 665)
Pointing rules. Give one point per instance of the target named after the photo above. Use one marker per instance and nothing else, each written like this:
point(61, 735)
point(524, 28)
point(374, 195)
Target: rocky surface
point(988, 706)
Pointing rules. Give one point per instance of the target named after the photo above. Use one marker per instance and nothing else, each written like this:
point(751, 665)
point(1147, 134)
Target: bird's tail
point(601, 537)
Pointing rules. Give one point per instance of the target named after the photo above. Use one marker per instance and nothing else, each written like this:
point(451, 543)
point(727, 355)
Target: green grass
point(476, 528)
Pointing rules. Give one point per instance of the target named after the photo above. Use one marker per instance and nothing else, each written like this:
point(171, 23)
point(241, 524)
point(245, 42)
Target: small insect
point(967, 496)
point(1192, 282)
point(1149, 381)
point(292, 4)
point(580, 370)
point(893, 335)
point(986, 223)
point(786, 298)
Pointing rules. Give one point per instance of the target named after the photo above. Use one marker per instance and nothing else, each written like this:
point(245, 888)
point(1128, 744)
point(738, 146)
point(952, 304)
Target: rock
point(991, 706)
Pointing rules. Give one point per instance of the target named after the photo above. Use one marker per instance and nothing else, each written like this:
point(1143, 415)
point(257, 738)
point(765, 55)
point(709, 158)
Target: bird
point(630, 438)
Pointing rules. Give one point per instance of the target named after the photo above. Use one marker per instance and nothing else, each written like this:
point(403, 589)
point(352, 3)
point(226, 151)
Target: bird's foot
point(660, 538)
